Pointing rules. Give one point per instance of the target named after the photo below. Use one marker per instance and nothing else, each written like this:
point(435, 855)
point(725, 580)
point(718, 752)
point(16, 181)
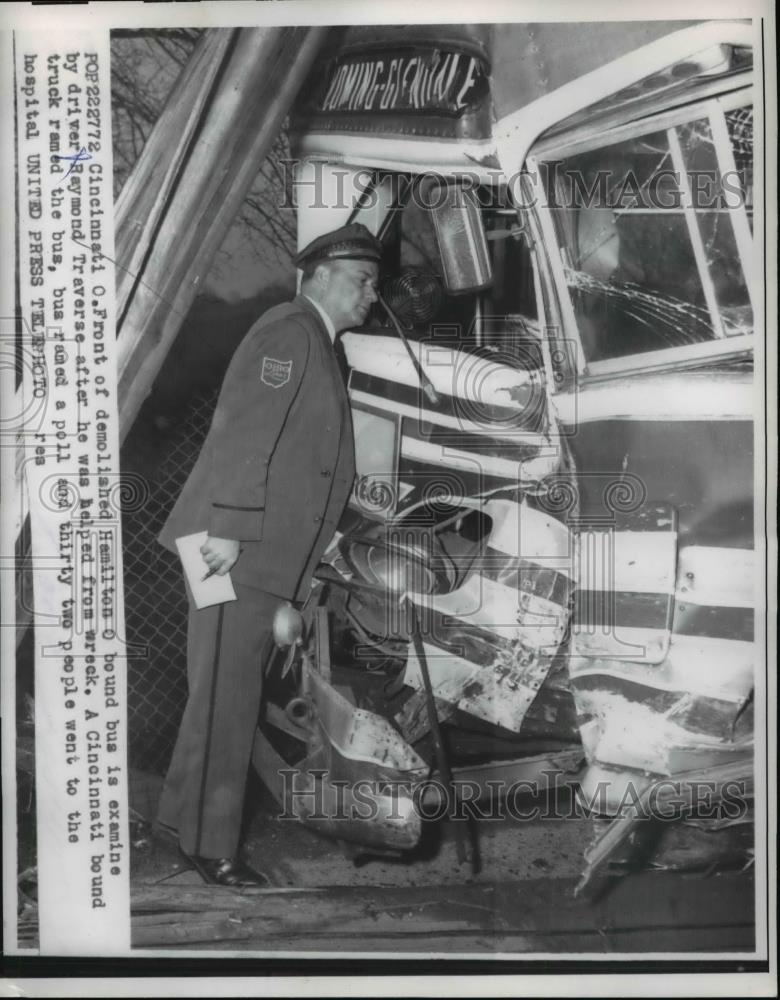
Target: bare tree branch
point(145, 64)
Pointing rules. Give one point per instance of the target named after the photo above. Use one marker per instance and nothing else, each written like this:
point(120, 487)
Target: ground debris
point(537, 915)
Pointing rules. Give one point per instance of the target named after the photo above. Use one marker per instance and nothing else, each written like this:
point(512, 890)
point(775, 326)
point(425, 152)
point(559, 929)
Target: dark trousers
point(228, 646)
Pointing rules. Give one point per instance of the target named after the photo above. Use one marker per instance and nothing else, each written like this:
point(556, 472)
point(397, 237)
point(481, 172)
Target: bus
point(548, 558)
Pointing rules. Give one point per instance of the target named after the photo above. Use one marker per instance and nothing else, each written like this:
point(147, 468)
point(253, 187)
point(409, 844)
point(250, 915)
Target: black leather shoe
point(226, 871)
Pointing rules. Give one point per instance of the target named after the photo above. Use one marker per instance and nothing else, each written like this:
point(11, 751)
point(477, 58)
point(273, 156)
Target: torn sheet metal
point(648, 736)
point(491, 642)
point(358, 734)
point(500, 692)
point(674, 704)
point(642, 797)
point(387, 822)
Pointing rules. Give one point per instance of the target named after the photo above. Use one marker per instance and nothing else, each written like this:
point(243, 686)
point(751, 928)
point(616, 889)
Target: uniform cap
point(352, 242)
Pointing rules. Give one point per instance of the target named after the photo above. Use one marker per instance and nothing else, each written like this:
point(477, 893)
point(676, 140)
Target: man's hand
point(220, 554)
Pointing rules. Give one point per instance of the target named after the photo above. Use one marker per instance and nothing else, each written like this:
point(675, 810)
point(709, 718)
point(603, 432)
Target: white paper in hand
point(215, 589)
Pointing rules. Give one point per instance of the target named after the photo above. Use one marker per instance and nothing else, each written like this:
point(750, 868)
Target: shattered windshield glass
point(739, 123)
point(653, 233)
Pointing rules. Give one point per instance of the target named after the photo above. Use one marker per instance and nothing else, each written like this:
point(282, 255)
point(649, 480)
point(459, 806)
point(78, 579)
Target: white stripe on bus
point(520, 530)
point(716, 576)
point(471, 377)
point(640, 562)
point(487, 429)
point(530, 471)
point(495, 608)
point(674, 397)
point(700, 665)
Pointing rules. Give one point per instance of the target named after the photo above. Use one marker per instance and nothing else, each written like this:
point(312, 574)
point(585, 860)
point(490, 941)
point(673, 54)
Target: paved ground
point(291, 855)
point(521, 901)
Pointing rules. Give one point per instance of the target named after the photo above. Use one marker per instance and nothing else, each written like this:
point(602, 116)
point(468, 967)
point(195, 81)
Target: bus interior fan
point(415, 296)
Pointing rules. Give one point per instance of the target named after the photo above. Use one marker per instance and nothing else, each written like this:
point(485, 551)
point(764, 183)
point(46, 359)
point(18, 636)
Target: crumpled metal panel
point(499, 692)
point(489, 644)
point(358, 734)
point(331, 807)
point(676, 695)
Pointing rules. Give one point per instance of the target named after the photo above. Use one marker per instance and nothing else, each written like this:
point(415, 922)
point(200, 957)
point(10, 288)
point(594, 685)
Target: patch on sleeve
point(276, 373)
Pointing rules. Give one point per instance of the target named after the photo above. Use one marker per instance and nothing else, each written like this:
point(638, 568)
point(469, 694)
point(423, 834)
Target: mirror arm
point(425, 382)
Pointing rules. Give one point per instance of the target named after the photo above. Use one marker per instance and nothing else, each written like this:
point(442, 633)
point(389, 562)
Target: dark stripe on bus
point(530, 414)
point(714, 622)
point(451, 437)
point(613, 609)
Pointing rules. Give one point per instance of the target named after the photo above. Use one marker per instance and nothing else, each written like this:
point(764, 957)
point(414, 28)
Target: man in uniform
point(269, 487)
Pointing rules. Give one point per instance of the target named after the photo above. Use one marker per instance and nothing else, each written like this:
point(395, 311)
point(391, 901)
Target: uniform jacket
point(278, 464)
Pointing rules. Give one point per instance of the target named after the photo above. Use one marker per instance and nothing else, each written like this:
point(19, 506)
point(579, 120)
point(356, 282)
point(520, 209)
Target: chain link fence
point(155, 601)
point(162, 448)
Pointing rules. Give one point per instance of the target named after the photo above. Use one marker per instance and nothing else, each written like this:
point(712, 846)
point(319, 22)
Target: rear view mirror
point(457, 221)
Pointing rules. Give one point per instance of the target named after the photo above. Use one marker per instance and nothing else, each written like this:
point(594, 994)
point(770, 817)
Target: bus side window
point(412, 260)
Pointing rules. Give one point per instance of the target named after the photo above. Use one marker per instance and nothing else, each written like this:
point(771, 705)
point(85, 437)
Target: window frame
point(481, 312)
point(708, 106)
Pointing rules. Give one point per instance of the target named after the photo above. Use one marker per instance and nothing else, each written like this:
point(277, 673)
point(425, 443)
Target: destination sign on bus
point(444, 82)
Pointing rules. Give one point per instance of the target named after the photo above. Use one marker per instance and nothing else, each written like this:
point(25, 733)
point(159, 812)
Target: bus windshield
point(654, 234)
